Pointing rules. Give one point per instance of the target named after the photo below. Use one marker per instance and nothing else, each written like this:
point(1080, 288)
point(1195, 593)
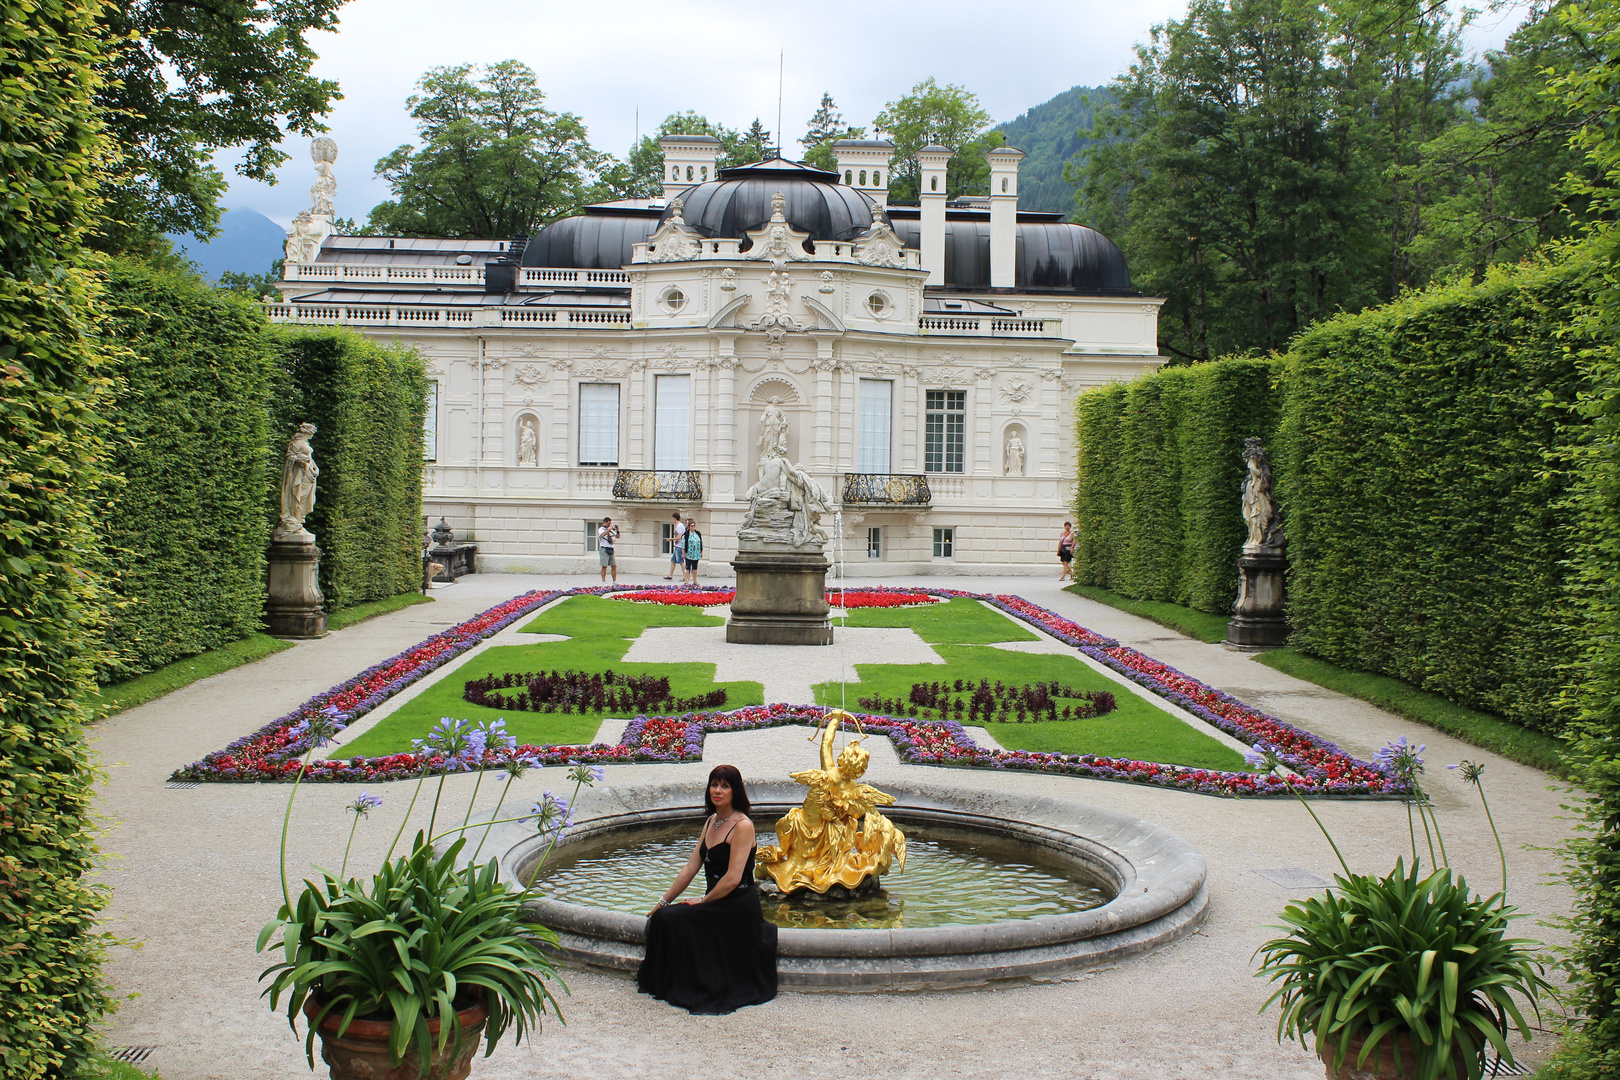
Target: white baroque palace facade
point(620, 361)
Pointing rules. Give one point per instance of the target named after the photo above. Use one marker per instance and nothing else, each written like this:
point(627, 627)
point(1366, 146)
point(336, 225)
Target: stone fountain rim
point(1158, 874)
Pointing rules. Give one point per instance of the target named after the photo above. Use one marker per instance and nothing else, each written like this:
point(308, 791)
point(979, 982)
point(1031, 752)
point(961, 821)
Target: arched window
point(689, 172)
point(674, 172)
point(863, 178)
point(1003, 185)
point(877, 179)
point(704, 173)
point(849, 177)
point(933, 183)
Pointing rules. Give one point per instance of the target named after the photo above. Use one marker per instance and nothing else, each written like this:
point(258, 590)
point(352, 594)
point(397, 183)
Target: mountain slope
point(248, 243)
point(1047, 135)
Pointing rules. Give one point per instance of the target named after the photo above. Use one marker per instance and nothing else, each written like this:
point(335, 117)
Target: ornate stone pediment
point(879, 246)
point(776, 240)
point(674, 240)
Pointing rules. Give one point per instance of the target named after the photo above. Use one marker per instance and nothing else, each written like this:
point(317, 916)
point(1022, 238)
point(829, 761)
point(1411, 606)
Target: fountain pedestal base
point(781, 596)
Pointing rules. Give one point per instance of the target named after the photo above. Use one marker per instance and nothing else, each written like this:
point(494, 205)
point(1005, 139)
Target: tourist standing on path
point(694, 551)
point(1066, 552)
point(717, 953)
point(677, 550)
point(606, 534)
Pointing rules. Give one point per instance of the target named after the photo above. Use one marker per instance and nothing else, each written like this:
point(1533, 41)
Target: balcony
point(883, 489)
point(669, 486)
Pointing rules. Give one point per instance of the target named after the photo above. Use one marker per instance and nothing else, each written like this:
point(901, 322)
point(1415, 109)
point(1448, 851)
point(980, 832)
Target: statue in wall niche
point(1260, 511)
point(528, 443)
point(1014, 465)
point(773, 432)
point(298, 475)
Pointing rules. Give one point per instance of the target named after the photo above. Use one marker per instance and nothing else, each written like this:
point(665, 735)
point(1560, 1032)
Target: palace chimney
point(688, 160)
point(931, 163)
point(1004, 216)
point(863, 164)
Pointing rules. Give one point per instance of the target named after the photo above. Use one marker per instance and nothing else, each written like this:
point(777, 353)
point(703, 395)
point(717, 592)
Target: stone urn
point(361, 1052)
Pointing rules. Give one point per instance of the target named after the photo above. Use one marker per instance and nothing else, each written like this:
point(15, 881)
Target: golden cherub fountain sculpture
point(837, 840)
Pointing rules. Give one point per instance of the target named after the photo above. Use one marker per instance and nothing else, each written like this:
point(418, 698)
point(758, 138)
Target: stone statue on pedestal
point(294, 607)
point(1257, 614)
point(528, 443)
point(785, 506)
point(298, 474)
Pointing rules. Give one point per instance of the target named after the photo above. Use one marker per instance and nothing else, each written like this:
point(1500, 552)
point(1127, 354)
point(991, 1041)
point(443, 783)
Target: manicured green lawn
point(961, 632)
point(346, 617)
point(599, 630)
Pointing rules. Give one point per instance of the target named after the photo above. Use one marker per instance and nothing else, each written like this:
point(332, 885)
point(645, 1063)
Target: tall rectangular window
point(672, 422)
point(590, 537)
point(945, 428)
point(666, 537)
point(430, 423)
point(874, 542)
point(598, 423)
point(872, 426)
point(944, 543)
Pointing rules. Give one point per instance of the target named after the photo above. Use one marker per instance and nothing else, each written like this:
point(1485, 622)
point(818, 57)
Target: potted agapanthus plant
point(402, 975)
point(1410, 975)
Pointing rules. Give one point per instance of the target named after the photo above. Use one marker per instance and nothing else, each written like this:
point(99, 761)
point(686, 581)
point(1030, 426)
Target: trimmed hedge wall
point(1422, 457)
point(1159, 461)
point(367, 403)
point(1425, 474)
point(51, 991)
point(186, 520)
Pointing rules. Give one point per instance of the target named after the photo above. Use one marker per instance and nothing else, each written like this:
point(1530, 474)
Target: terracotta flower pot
point(361, 1052)
point(1380, 1065)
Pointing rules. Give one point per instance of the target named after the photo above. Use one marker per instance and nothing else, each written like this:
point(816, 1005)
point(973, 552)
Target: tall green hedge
point(1159, 467)
point(51, 990)
point(187, 515)
point(366, 401)
point(1426, 481)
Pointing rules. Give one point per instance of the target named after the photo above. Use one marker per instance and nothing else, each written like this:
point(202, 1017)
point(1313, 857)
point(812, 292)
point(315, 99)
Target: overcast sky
point(607, 62)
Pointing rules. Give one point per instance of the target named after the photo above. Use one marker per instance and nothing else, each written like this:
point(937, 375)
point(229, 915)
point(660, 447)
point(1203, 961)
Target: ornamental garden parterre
point(1321, 769)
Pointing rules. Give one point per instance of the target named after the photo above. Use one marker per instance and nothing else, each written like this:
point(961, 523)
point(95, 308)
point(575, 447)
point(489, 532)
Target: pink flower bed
point(272, 753)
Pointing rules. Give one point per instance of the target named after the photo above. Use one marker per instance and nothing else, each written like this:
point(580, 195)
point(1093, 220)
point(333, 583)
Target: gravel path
point(194, 878)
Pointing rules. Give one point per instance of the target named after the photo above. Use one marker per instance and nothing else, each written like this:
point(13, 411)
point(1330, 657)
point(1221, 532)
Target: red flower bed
point(844, 598)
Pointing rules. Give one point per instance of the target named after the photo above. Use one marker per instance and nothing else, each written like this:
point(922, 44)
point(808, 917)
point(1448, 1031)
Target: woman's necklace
point(718, 823)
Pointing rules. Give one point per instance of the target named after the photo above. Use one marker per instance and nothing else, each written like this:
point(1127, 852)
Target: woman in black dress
point(717, 953)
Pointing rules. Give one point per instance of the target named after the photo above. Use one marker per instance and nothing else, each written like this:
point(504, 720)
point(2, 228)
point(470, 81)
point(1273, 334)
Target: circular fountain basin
point(1147, 885)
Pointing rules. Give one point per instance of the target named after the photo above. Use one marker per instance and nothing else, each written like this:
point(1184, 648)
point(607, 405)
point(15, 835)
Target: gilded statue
point(838, 837)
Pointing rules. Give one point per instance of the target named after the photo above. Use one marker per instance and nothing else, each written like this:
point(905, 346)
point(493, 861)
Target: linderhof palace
point(618, 362)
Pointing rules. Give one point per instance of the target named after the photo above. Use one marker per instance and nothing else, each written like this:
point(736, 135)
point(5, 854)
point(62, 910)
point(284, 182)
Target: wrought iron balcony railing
point(634, 485)
point(883, 489)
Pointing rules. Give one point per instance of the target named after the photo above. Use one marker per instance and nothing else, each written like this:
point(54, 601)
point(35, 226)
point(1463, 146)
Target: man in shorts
point(606, 534)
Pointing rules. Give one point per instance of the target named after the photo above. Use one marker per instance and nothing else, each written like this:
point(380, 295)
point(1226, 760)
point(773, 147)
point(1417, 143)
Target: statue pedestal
point(1257, 615)
point(294, 608)
point(781, 596)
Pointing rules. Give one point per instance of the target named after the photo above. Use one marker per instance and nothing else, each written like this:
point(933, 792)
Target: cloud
point(623, 67)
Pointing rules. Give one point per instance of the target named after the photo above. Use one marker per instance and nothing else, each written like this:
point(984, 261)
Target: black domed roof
point(589, 241)
point(740, 200)
point(1053, 256)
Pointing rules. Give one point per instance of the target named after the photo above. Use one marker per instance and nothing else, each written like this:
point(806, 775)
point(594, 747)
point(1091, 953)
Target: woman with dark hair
point(717, 953)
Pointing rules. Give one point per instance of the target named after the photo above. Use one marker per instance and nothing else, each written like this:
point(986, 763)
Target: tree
point(1489, 195)
point(757, 140)
point(646, 163)
point(934, 115)
point(493, 162)
point(1251, 164)
point(184, 79)
point(826, 127)
point(253, 286)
